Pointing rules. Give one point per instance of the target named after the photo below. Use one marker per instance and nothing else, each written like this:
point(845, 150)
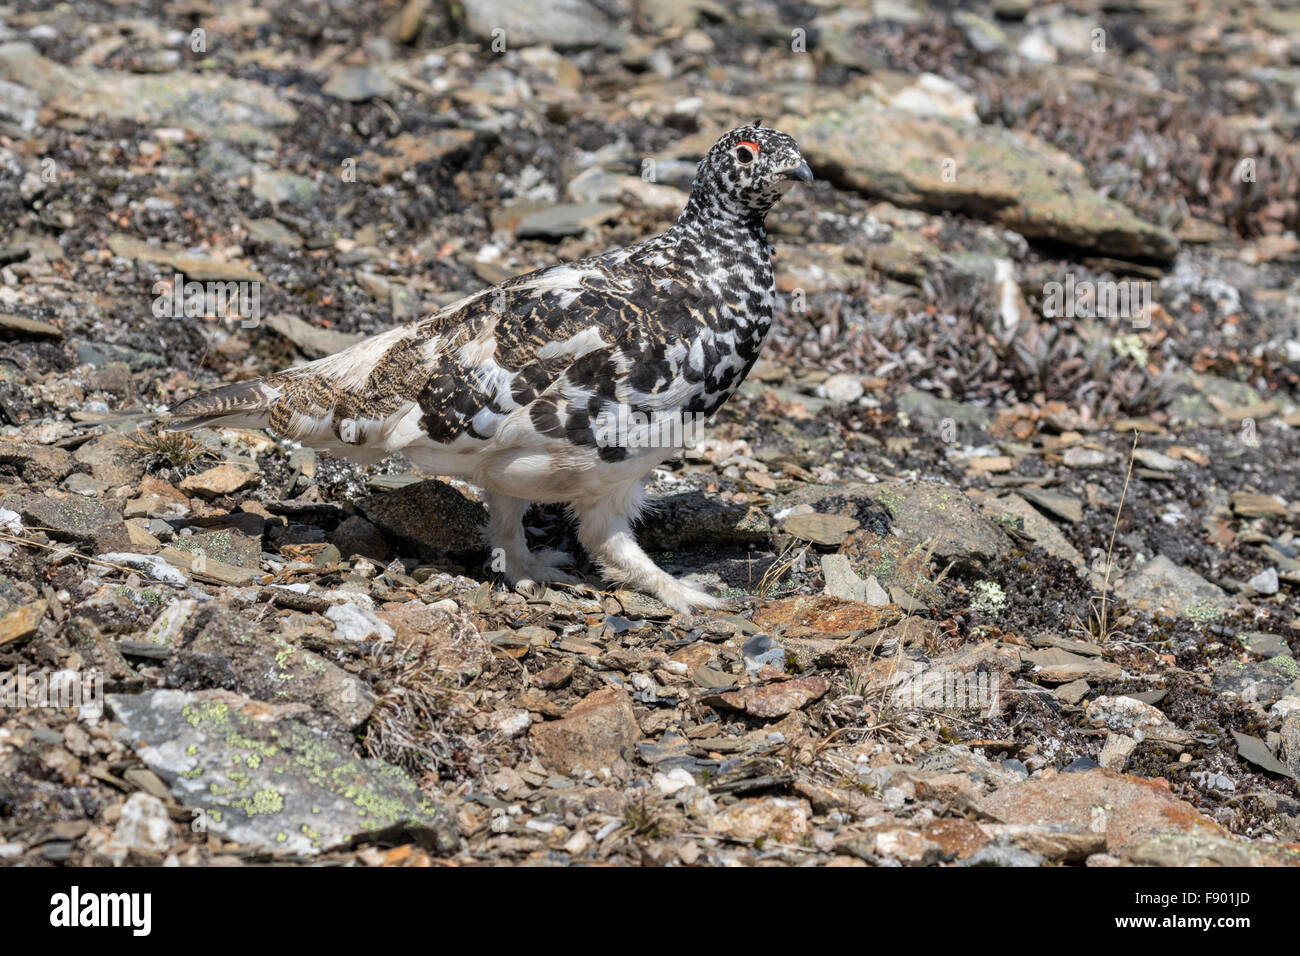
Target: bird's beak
point(800, 172)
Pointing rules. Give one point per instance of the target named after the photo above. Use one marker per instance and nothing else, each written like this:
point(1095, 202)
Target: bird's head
point(749, 169)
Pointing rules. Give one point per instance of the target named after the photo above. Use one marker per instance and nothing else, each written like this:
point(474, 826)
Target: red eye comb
point(752, 145)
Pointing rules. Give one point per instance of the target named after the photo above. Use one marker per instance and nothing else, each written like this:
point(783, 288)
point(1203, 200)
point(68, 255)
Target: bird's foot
point(608, 538)
point(534, 567)
point(683, 597)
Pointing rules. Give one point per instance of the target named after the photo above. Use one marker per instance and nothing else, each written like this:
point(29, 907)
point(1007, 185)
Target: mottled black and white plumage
point(514, 387)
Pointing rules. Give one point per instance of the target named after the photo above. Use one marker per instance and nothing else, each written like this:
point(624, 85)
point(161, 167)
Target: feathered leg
point(606, 533)
point(510, 555)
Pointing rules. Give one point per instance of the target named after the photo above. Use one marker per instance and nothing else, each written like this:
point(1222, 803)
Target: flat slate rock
point(1161, 585)
point(566, 24)
point(312, 341)
point(1134, 809)
point(75, 519)
point(826, 530)
point(1061, 506)
point(1056, 666)
point(1005, 175)
point(1257, 752)
point(20, 325)
point(207, 104)
point(1251, 505)
point(1265, 645)
point(924, 514)
point(1027, 519)
point(262, 777)
point(1157, 461)
point(565, 219)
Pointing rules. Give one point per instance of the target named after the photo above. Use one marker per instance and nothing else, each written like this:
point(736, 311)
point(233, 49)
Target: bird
point(556, 386)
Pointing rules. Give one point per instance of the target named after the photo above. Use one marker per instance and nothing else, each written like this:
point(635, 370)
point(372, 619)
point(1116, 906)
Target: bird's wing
point(601, 328)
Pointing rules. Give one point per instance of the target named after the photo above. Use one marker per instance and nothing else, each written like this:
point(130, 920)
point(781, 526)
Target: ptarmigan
point(554, 386)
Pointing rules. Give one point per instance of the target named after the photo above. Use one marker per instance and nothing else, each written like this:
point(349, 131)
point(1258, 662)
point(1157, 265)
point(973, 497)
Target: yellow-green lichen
point(240, 742)
point(1202, 612)
point(1285, 665)
point(209, 711)
point(267, 800)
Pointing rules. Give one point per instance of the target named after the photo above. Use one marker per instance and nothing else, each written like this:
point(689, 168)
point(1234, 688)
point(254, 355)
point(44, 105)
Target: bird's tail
point(334, 402)
point(242, 405)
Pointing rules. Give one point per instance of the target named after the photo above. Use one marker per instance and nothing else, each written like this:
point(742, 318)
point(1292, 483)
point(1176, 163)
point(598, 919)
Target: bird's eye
point(745, 152)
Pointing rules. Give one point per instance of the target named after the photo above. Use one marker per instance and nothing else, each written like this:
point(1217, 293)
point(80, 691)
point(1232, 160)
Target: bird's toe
point(551, 575)
point(686, 599)
point(540, 570)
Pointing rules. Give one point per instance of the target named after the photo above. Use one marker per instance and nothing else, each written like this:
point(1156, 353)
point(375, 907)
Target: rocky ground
point(1009, 583)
